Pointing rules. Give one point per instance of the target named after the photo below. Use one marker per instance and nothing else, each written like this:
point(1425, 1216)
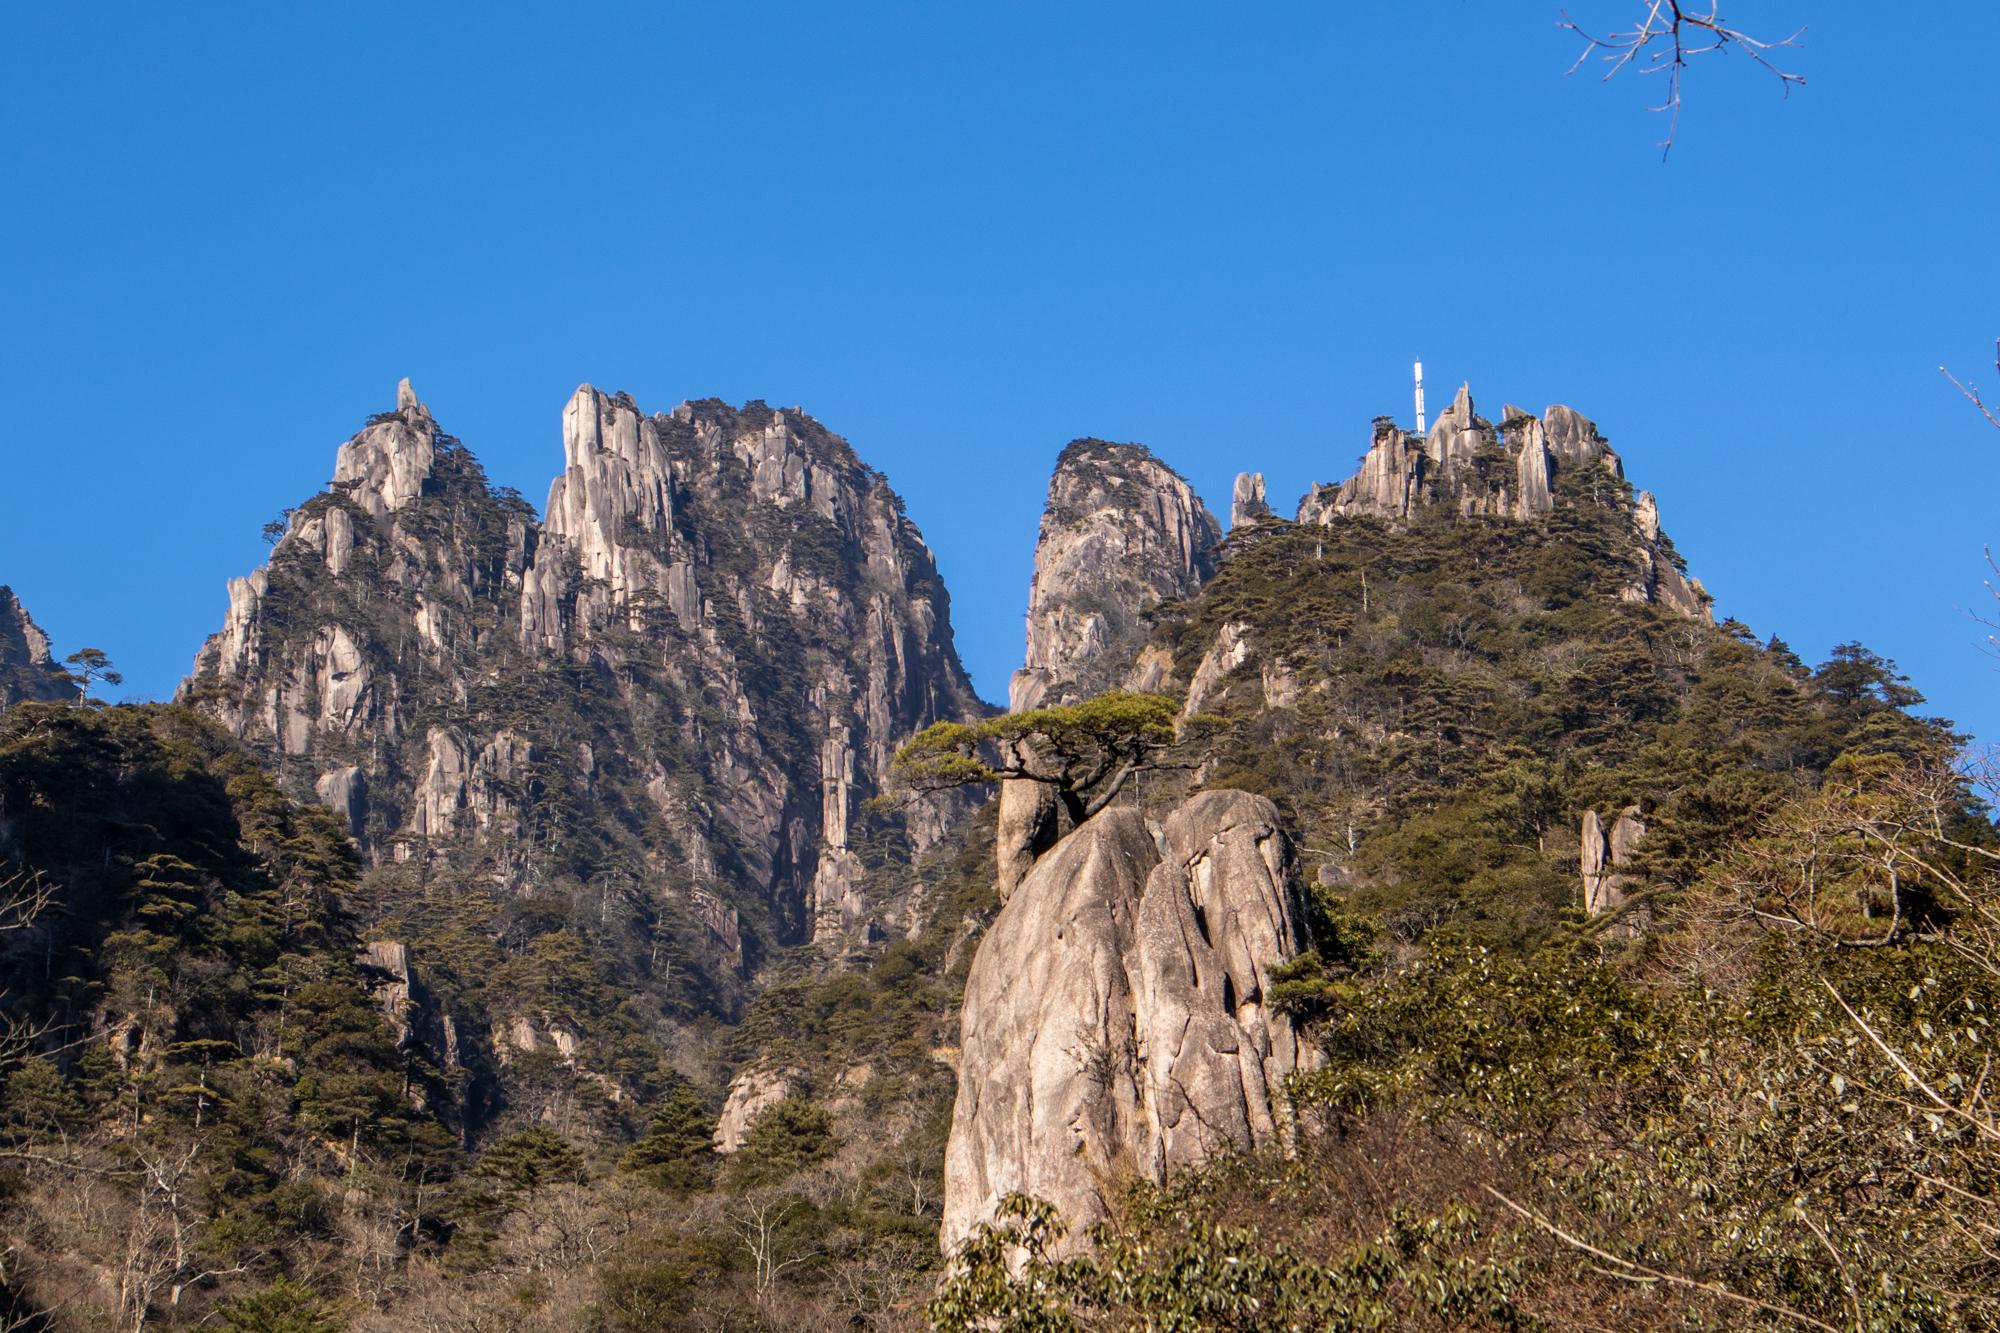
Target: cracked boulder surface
point(1115, 1020)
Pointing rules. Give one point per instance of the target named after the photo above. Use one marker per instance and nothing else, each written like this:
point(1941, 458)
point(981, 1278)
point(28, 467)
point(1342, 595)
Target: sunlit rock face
point(700, 661)
point(1472, 467)
point(1121, 533)
point(1116, 1020)
point(28, 670)
point(1606, 855)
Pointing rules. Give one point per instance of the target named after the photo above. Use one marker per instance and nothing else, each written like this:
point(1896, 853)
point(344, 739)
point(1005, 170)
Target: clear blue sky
point(962, 235)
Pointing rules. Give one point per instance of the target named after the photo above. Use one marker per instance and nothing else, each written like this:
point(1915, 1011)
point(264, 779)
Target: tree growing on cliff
point(88, 666)
point(1085, 752)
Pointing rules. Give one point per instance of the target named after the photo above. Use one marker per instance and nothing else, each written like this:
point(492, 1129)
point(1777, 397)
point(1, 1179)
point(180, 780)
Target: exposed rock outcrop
point(1122, 532)
point(751, 1093)
point(388, 464)
point(1661, 578)
point(1230, 650)
point(1607, 852)
point(1246, 503)
point(1115, 1018)
point(1474, 468)
point(387, 964)
point(1027, 824)
point(27, 668)
point(345, 789)
point(707, 653)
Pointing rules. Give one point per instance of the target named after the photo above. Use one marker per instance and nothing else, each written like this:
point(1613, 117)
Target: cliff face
point(27, 669)
point(677, 689)
point(1115, 1017)
point(1607, 851)
point(1122, 531)
point(1468, 466)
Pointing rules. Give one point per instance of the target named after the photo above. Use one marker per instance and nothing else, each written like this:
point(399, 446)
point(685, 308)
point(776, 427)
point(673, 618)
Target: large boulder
point(1115, 1021)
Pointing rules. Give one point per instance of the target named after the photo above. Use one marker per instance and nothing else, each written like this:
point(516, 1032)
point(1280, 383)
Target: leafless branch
point(1631, 1271)
point(23, 897)
point(1665, 37)
point(1983, 1125)
point(1971, 392)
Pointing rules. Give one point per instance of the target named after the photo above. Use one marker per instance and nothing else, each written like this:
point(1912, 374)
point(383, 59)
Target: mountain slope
point(27, 669)
point(646, 728)
point(1630, 938)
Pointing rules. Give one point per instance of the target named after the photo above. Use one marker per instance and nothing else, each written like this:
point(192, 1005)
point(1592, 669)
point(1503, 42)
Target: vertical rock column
point(1605, 853)
point(1122, 532)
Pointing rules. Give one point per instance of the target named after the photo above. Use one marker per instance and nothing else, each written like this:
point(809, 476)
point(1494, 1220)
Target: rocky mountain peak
point(28, 670)
point(388, 464)
point(1121, 532)
point(690, 676)
point(1472, 467)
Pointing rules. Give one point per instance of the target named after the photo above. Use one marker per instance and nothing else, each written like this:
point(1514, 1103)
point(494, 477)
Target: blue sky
point(962, 235)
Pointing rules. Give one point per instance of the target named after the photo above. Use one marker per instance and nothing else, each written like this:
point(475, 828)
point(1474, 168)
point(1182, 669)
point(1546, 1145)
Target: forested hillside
point(1653, 971)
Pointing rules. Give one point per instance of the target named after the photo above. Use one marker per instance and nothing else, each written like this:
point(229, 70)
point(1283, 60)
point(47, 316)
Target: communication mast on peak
point(1421, 429)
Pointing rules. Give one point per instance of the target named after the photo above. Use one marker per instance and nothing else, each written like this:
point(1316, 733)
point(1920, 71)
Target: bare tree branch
point(1632, 1271)
point(1985, 1126)
point(1971, 392)
point(1665, 37)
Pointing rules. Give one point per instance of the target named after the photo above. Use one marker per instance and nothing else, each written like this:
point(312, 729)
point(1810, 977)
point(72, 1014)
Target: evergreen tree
point(677, 1151)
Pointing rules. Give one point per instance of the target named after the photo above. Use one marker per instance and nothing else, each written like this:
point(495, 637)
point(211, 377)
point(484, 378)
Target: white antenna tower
point(1421, 429)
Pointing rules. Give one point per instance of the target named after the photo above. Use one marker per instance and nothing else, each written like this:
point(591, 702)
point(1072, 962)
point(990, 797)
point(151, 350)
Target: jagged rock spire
point(1246, 501)
point(682, 554)
point(1121, 533)
point(1473, 467)
point(386, 465)
point(616, 483)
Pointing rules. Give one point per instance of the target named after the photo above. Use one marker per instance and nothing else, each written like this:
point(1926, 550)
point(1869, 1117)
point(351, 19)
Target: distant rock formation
point(709, 649)
point(1115, 1018)
point(751, 1093)
point(1473, 468)
point(1607, 853)
point(1246, 504)
point(1121, 533)
point(27, 669)
point(389, 463)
